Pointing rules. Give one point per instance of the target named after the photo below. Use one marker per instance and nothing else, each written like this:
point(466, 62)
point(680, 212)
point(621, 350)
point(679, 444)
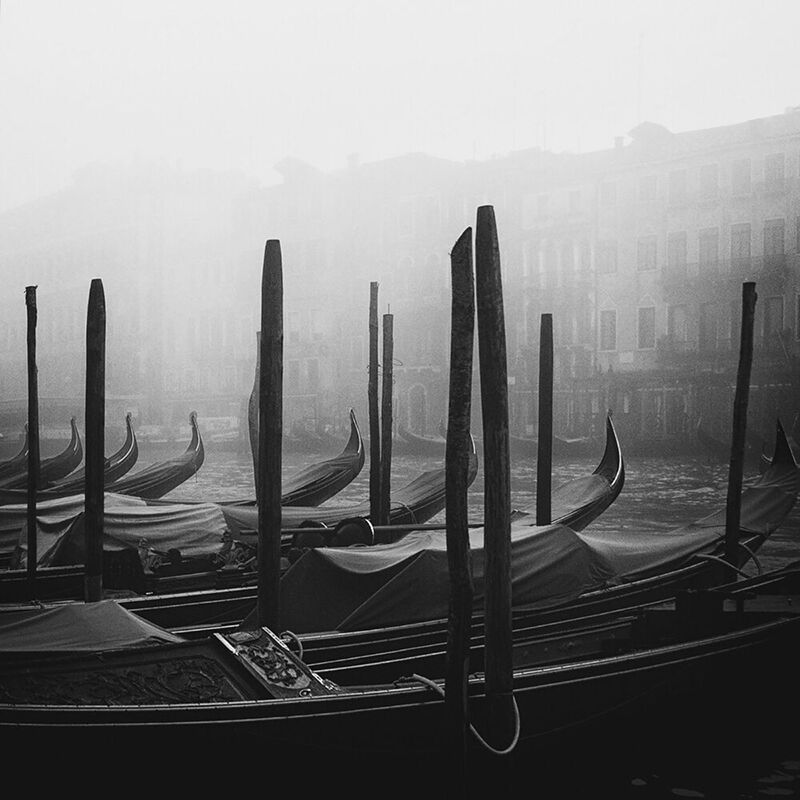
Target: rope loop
point(288, 636)
point(440, 691)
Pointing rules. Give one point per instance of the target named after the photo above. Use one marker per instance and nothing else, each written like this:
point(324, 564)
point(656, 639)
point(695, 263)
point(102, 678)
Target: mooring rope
point(288, 636)
point(439, 690)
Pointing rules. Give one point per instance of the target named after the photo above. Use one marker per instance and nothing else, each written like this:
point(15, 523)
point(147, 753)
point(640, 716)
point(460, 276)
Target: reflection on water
point(659, 494)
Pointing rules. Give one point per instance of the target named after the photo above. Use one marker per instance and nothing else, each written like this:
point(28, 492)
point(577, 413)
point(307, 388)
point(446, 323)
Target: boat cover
point(49, 513)
point(76, 627)
point(358, 588)
point(355, 588)
point(195, 529)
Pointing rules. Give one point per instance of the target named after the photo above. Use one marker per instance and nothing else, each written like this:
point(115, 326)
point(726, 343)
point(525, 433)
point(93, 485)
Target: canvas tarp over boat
point(51, 514)
point(194, 529)
point(358, 588)
point(76, 627)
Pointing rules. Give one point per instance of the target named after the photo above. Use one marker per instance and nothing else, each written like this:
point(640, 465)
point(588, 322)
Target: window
point(677, 324)
point(676, 250)
point(740, 242)
point(294, 327)
point(773, 238)
point(773, 171)
point(575, 201)
point(708, 327)
point(293, 376)
point(647, 252)
point(773, 318)
point(405, 218)
point(567, 258)
point(313, 374)
point(607, 257)
point(608, 330)
point(541, 205)
point(647, 188)
point(647, 328)
point(709, 181)
point(708, 247)
point(740, 177)
point(608, 193)
point(677, 186)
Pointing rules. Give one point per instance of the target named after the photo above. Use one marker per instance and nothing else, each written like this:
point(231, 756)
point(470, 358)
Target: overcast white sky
point(240, 84)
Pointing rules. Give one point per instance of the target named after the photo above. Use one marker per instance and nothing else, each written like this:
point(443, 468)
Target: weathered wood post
point(252, 416)
point(270, 424)
point(497, 502)
point(95, 426)
point(372, 400)
point(386, 419)
point(544, 461)
point(734, 499)
point(457, 452)
point(33, 438)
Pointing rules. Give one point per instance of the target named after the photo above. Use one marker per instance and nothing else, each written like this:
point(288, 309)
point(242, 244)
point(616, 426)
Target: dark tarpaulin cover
point(356, 588)
point(49, 514)
point(76, 627)
point(196, 530)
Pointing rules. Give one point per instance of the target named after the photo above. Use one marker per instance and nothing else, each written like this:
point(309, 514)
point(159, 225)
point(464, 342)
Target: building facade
point(639, 252)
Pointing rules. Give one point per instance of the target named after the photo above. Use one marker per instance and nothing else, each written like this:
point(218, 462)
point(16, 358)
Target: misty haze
point(641, 161)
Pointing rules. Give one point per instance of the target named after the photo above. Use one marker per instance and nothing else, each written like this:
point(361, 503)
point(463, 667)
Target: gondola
point(364, 588)
point(18, 461)
point(86, 682)
point(316, 483)
point(196, 530)
point(409, 443)
point(562, 446)
point(150, 482)
point(753, 448)
point(50, 469)
point(575, 503)
point(614, 568)
point(412, 504)
point(117, 464)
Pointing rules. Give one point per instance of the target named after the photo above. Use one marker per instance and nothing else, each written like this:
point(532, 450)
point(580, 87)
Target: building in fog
point(639, 252)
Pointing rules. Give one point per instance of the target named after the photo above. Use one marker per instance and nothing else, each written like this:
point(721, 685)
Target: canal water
point(659, 494)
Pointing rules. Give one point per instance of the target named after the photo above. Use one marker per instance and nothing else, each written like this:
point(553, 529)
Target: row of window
point(708, 246)
point(714, 322)
point(708, 179)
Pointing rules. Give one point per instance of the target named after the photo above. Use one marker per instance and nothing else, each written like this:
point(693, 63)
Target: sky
point(242, 84)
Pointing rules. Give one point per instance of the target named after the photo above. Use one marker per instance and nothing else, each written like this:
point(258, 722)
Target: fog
point(242, 84)
point(200, 106)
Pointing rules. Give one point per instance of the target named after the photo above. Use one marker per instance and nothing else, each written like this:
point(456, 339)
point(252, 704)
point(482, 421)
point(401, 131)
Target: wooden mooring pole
point(252, 416)
point(457, 451)
point(372, 400)
point(386, 419)
point(33, 438)
point(270, 425)
point(738, 437)
point(497, 501)
point(95, 426)
point(544, 460)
